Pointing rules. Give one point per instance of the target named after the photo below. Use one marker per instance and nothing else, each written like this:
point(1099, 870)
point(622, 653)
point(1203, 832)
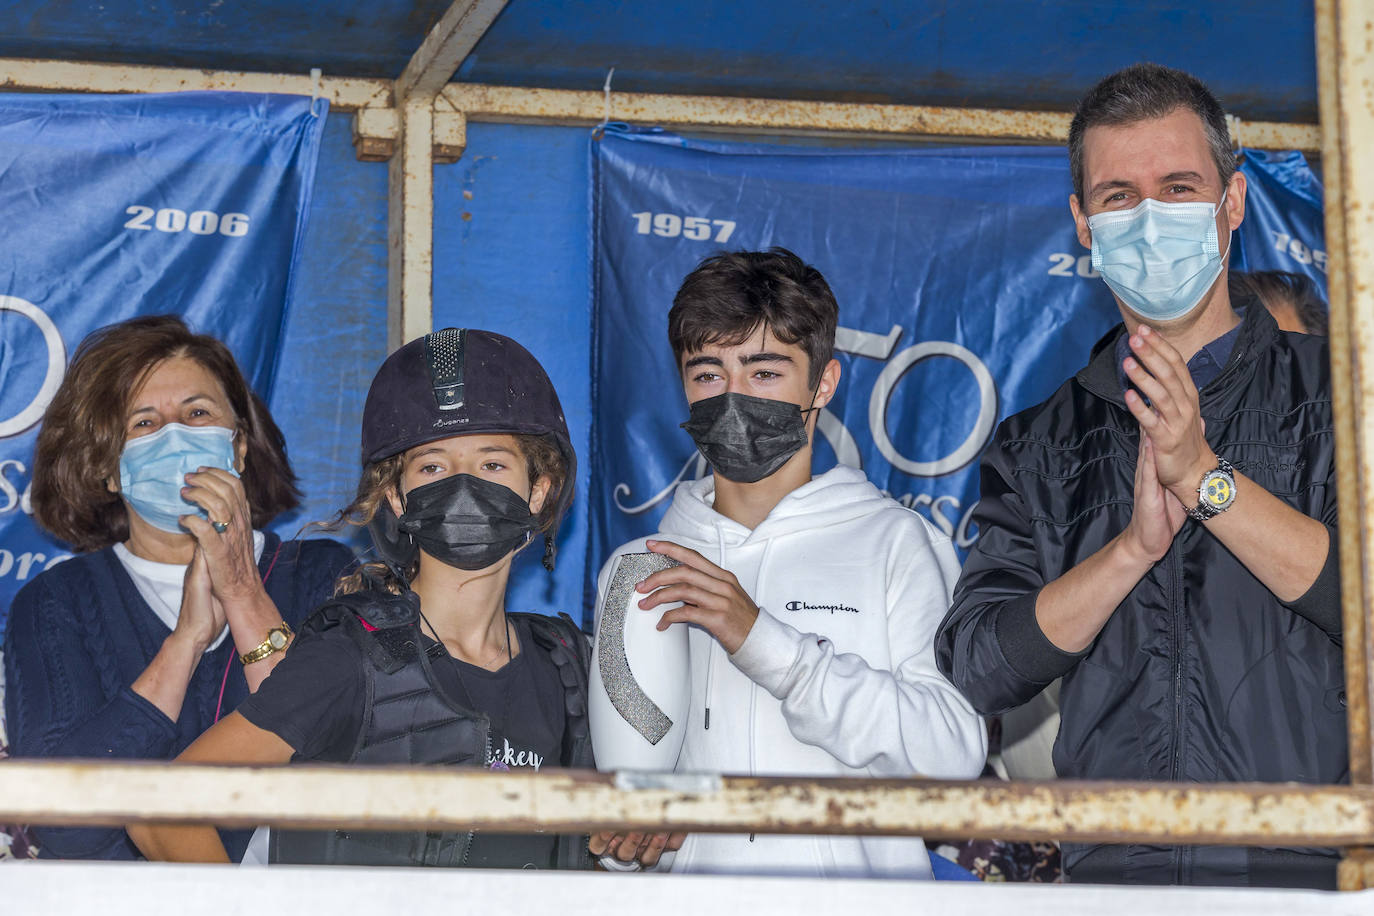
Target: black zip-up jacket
point(1201, 674)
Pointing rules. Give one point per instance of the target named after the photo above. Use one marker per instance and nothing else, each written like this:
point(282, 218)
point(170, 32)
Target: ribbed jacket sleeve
point(1321, 603)
point(990, 644)
point(61, 701)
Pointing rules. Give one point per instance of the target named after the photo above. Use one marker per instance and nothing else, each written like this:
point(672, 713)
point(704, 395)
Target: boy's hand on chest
point(711, 597)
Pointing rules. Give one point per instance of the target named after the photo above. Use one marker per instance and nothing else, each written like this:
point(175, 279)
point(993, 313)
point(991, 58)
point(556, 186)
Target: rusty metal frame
point(446, 46)
point(421, 118)
point(508, 104)
point(26, 75)
point(1345, 83)
point(54, 792)
point(1345, 80)
point(410, 175)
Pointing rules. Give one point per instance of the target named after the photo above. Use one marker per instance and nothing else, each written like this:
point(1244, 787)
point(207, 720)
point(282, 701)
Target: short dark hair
point(1143, 92)
point(1278, 288)
point(83, 430)
point(731, 295)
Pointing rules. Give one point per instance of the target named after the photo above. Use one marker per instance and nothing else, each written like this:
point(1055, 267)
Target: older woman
point(159, 465)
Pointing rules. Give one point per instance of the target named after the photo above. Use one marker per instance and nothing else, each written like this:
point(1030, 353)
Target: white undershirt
point(161, 584)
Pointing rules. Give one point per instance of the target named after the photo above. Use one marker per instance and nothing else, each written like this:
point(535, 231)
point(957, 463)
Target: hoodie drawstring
point(711, 656)
point(754, 688)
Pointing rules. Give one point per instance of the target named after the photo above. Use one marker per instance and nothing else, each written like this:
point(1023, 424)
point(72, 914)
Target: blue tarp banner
point(1283, 228)
point(117, 206)
point(964, 297)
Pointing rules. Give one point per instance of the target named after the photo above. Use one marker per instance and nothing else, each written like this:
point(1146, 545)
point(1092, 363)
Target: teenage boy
point(813, 601)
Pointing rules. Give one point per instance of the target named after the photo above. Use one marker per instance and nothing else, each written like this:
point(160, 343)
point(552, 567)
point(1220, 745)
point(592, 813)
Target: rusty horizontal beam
point(54, 792)
point(22, 75)
point(553, 106)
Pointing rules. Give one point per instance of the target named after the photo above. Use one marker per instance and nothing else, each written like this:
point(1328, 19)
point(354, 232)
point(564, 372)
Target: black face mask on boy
point(466, 521)
point(745, 438)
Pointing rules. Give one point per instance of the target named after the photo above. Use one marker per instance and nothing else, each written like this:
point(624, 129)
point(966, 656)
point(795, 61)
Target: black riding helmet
point(450, 383)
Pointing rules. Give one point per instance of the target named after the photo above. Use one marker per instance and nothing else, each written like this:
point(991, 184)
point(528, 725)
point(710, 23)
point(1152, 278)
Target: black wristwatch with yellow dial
point(1216, 493)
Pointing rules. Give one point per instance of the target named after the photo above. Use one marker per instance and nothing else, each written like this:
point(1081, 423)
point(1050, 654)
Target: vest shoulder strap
point(567, 648)
point(383, 625)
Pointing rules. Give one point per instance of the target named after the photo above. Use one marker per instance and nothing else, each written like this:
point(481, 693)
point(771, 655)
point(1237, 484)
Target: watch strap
point(1201, 512)
point(267, 646)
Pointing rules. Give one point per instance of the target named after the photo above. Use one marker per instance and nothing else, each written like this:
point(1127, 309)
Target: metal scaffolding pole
point(1345, 77)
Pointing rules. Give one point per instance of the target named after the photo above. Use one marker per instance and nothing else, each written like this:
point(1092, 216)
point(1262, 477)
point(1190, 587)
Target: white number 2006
point(670, 226)
point(198, 222)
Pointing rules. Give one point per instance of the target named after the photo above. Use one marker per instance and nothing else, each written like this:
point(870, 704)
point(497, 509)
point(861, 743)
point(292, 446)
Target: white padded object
point(639, 676)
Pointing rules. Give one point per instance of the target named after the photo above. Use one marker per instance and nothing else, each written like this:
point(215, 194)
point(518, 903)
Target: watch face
point(277, 638)
point(1218, 489)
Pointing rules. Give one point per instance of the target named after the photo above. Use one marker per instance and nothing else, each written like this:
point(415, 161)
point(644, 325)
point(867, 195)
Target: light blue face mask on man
point(1160, 259)
point(153, 469)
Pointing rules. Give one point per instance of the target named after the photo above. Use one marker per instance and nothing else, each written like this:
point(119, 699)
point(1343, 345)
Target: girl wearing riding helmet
point(466, 456)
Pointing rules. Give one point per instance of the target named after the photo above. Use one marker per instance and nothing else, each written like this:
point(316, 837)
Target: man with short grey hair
point(1160, 533)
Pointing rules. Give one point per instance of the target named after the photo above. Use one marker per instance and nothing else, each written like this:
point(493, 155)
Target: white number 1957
point(670, 226)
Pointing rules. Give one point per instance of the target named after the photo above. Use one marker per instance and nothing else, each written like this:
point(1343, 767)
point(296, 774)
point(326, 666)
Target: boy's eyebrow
point(702, 361)
point(765, 357)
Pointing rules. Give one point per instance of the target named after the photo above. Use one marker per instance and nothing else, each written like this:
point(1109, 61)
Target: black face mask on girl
point(466, 521)
point(746, 438)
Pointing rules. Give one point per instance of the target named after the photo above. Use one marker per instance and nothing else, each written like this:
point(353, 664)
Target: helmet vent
point(445, 352)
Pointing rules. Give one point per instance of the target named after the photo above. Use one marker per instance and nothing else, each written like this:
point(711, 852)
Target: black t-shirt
point(313, 700)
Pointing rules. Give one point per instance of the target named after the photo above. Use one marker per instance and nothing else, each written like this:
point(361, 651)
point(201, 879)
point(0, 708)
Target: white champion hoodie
point(837, 676)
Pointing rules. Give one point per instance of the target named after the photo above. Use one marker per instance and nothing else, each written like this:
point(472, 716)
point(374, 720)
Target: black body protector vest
point(408, 720)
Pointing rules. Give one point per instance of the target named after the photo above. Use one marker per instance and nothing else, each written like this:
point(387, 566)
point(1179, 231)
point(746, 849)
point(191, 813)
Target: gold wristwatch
point(277, 639)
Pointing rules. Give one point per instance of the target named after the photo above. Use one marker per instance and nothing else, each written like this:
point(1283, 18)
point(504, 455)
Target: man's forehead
point(1151, 150)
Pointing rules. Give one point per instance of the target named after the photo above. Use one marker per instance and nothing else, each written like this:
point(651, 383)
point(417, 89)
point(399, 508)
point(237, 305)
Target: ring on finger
point(220, 527)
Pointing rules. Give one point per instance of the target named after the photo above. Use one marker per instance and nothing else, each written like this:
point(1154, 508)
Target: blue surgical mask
point(1160, 259)
point(153, 469)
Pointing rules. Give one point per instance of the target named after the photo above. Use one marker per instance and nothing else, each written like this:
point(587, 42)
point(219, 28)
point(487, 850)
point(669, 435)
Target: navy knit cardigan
point(80, 634)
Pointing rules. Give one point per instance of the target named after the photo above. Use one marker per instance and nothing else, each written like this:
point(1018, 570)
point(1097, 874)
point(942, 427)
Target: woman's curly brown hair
point(83, 430)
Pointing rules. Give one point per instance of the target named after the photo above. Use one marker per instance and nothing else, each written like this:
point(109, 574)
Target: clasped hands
point(222, 582)
point(1174, 454)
